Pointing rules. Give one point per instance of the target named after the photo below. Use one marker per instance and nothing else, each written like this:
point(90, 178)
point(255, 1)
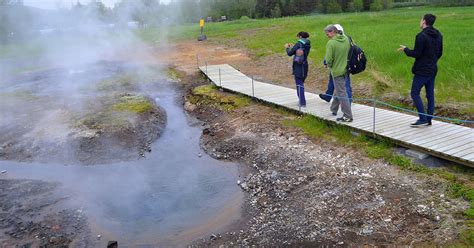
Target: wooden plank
point(454, 144)
point(403, 131)
point(450, 133)
point(424, 132)
point(455, 150)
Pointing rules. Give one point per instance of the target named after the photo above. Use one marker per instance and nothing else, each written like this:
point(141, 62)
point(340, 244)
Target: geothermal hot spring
point(174, 195)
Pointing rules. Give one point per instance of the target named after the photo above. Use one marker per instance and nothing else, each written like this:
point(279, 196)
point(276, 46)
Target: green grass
point(133, 104)
point(210, 95)
point(378, 33)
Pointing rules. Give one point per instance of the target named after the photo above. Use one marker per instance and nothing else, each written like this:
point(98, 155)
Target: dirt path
point(307, 192)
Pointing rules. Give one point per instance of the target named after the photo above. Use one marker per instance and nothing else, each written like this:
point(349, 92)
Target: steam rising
point(53, 63)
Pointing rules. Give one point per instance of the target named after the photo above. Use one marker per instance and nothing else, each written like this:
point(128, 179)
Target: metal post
point(253, 89)
point(206, 69)
point(220, 80)
point(197, 60)
point(373, 120)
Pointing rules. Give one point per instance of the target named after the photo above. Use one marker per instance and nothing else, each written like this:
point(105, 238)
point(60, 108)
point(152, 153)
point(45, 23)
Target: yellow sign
point(201, 23)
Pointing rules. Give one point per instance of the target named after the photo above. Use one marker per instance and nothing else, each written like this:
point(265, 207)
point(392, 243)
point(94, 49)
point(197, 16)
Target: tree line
point(234, 9)
point(17, 20)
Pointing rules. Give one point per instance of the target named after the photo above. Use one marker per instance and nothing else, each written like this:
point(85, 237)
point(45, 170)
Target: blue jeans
point(330, 90)
point(418, 83)
point(300, 90)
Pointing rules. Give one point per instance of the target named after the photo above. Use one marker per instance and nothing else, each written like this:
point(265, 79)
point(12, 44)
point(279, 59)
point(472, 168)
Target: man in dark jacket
point(428, 49)
point(300, 52)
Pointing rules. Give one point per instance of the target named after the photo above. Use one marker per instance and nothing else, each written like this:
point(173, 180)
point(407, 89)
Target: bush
point(334, 7)
point(244, 18)
point(356, 6)
point(376, 5)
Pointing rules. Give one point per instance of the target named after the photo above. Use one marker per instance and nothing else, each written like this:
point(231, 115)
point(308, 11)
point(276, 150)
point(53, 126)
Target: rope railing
point(371, 100)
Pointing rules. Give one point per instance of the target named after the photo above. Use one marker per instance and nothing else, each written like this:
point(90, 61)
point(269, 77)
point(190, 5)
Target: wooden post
point(373, 119)
point(220, 80)
point(253, 89)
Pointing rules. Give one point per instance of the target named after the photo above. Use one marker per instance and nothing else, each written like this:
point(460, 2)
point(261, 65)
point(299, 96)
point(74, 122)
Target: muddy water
point(174, 195)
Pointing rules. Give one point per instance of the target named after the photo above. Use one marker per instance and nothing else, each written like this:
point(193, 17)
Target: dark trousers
point(330, 90)
point(300, 90)
point(418, 83)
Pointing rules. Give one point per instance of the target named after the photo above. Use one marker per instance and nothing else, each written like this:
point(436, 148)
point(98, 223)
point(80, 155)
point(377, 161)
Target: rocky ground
point(32, 215)
point(304, 192)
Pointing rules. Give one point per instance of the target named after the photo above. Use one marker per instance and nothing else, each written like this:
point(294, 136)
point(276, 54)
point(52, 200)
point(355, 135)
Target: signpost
point(202, 36)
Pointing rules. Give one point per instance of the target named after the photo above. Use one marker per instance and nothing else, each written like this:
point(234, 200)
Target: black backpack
point(356, 59)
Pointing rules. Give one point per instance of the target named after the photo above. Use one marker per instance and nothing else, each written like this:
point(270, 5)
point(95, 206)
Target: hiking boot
point(325, 97)
point(420, 123)
point(344, 119)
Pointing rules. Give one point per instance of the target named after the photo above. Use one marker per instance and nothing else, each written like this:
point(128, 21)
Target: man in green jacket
point(337, 50)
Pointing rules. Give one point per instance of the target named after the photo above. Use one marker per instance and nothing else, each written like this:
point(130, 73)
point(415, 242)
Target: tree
point(356, 5)
point(333, 7)
point(376, 5)
point(276, 12)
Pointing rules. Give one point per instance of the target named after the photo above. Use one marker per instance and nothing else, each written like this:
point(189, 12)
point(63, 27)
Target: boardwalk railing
point(445, 140)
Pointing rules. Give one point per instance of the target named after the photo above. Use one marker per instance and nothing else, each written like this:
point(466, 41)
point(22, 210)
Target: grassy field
point(378, 33)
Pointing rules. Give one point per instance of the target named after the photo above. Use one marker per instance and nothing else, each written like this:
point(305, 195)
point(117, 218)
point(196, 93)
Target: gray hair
point(330, 28)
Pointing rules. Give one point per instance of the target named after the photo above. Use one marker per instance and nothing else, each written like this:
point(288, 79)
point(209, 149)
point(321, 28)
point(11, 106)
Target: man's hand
point(401, 48)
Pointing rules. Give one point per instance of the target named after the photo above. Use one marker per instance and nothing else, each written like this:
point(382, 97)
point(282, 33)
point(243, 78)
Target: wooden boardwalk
point(449, 141)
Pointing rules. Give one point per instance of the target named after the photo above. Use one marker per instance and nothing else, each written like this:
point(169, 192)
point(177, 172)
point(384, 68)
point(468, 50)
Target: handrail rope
point(388, 105)
point(403, 109)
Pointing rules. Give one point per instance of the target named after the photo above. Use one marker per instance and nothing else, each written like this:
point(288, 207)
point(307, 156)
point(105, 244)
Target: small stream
point(173, 196)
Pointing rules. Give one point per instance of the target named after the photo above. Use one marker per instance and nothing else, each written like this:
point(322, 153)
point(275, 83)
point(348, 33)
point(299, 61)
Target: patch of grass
point(173, 74)
point(311, 125)
point(210, 95)
point(378, 150)
point(133, 104)
point(116, 113)
point(19, 95)
point(124, 81)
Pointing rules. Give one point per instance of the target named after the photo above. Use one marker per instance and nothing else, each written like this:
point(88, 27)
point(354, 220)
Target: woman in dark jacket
point(300, 52)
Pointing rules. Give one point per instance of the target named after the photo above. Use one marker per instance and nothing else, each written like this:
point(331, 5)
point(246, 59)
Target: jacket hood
point(433, 32)
point(305, 41)
point(340, 38)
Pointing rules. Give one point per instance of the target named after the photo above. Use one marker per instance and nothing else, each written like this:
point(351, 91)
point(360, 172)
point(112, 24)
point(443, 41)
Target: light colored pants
point(340, 97)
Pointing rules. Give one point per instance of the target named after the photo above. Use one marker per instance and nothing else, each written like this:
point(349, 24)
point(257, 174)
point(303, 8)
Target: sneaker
point(420, 123)
point(325, 98)
point(344, 119)
point(429, 123)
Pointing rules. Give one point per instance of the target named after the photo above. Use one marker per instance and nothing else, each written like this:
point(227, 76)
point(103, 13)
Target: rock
point(3, 172)
point(99, 236)
point(199, 155)
point(112, 244)
point(238, 182)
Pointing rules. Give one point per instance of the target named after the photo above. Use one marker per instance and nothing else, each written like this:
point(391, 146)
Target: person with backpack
point(300, 52)
point(428, 49)
point(337, 51)
point(330, 89)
